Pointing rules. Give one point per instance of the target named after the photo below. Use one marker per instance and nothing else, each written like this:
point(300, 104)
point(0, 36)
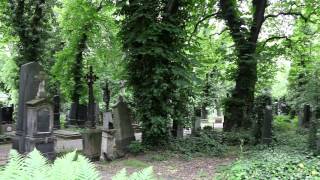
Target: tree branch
point(288, 14)
point(276, 38)
point(199, 22)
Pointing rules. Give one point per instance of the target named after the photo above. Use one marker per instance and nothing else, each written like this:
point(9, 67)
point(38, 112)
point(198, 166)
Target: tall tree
point(245, 35)
point(153, 35)
point(28, 19)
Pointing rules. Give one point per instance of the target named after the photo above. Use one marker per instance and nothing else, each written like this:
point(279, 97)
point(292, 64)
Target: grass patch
point(134, 163)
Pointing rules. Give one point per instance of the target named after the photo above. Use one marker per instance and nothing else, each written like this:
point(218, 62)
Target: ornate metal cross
point(91, 78)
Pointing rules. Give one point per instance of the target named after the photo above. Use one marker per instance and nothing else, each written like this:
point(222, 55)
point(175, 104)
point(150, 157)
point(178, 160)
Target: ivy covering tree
point(153, 36)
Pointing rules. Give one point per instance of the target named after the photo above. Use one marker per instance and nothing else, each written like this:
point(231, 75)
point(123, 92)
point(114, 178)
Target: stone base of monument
point(91, 141)
point(44, 145)
point(4, 128)
point(108, 145)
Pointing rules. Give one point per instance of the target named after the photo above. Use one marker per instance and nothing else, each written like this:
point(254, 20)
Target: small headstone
point(266, 133)
point(108, 144)
point(123, 125)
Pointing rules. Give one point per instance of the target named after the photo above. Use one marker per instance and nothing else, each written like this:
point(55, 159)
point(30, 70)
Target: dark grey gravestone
point(7, 115)
point(123, 125)
point(266, 132)
point(79, 121)
point(306, 115)
point(28, 88)
point(56, 112)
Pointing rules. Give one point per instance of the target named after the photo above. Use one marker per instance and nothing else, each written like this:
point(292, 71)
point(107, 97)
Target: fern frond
point(36, 165)
point(122, 175)
point(87, 170)
point(145, 174)
point(14, 168)
point(64, 168)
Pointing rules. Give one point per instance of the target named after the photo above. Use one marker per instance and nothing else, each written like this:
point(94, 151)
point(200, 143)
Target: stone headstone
point(108, 144)
point(306, 116)
point(7, 115)
point(35, 121)
point(266, 133)
point(28, 88)
point(56, 112)
point(82, 115)
point(123, 125)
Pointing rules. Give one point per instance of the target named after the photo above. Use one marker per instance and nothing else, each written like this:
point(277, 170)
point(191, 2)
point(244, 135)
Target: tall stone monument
point(123, 125)
point(35, 113)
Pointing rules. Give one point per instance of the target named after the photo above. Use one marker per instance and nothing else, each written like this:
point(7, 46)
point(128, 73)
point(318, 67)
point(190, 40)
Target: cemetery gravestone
point(35, 113)
point(56, 111)
point(6, 114)
point(306, 116)
point(28, 87)
point(196, 125)
point(123, 125)
point(108, 144)
point(80, 119)
point(266, 132)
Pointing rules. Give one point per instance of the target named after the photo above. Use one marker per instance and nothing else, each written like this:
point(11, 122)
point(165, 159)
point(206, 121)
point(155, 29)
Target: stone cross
point(91, 78)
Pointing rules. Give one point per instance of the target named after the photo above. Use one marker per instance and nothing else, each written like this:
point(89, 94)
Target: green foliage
point(274, 164)
point(69, 167)
point(92, 25)
point(145, 174)
point(287, 158)
point(284, 123)
point(136, 147)
point(153, 36)
point(135, 163)
point(204, 144)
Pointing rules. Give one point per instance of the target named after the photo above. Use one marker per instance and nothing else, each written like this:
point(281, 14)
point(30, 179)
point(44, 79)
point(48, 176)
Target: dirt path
point(168, 168)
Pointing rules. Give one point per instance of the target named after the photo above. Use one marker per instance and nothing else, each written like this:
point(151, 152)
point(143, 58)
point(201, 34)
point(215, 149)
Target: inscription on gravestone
point(43, 120)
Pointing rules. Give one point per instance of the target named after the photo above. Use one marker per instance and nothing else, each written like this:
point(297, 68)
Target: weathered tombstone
point(7, 114)
point(314, 137)
point(35, 120)
point(28, 87)
point(306, 115)
point(56, 111)
point(266, 133)
point(80, 119)
point(177, 129)
point(196, 125)
point(108, 144)
point(123, 125)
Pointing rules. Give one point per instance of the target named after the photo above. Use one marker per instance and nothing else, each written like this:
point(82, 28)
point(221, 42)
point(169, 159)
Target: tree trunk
point(239, 106)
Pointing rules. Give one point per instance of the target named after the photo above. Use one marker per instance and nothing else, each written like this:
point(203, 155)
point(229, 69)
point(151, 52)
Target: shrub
point(274, 164)
point(136, 147)
point(72, 166)
point(198, 145)
point(284, 123)
point(236, 138)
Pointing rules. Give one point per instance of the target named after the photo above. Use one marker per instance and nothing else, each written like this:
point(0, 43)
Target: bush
point(203, 144)
point(72, 166)
point(274, 164)
point(284, 123)
point(236, 138)
point(136, 147)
